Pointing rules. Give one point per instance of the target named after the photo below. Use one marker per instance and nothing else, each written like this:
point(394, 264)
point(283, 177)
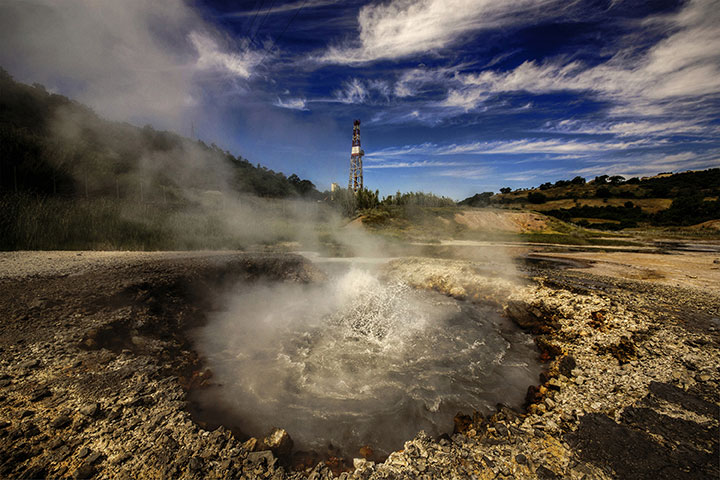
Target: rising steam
point(355, 361)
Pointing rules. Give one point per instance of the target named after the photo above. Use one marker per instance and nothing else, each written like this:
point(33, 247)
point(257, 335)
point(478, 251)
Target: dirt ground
point(97, 366)
point(502, 221)
point(699, 270)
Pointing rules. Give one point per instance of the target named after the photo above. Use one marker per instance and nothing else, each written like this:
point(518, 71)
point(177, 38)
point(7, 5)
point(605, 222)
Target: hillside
point(70, 179)
point(52, 145)
point(614, 203)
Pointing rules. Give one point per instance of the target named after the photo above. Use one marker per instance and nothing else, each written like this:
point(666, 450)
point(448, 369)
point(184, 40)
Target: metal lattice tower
point(356, 173)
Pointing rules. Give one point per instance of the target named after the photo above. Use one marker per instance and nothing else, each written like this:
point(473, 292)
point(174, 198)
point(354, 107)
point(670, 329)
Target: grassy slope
point(431, 225)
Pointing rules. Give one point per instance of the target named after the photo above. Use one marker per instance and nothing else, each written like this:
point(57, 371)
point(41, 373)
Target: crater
point(353, 364)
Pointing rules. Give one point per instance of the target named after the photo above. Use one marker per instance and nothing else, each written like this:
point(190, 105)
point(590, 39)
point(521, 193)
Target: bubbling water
point(358, 362)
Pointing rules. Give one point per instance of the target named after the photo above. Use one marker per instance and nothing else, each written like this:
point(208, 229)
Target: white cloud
point(291, 103)
point(418, 164)
point(653, 164)
point(360, 91)
point(684, 65)
point(353, 91)
point(472, 173)
point(401, 28)
point(644, 127)
point(212, 57)
point(524, 146)
point(290, 7)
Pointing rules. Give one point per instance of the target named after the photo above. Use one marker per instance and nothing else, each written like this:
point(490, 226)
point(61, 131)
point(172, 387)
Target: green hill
point(614, 203)
point(52, 145)
point(70, 179)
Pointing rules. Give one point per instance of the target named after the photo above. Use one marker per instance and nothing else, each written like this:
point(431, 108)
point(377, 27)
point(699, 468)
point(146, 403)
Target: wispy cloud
point(362, 91)
point(685, 64)
point(401, 28)
point(561, 147)
point(469, 172)
point(652, 164)
point(212, 57)
point(290, 7)
point(291, 103)
point(419, 164)
point(640, 127)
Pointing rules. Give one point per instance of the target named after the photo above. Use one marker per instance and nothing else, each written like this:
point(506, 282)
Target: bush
point(603, 192)
point(536, 198)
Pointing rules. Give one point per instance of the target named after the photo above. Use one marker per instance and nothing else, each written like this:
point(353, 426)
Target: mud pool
point(354, 362)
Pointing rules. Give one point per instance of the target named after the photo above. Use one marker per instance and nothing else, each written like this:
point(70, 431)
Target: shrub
point(536, 197)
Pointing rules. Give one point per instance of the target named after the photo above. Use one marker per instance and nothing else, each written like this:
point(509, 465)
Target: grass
point(31, 222)
point(648, 205)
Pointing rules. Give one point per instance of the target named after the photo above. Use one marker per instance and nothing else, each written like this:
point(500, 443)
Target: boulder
point(279, 442)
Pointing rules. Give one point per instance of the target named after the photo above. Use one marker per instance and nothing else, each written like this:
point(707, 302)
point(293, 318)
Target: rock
point(120, 458)
point(279, 442)
point(93, 457)
point(39, 394)
point(257, 458)
point(29, 364)
point(83, 452)
point(554, 384)
point(251, 444)
point(362, 464)
point(545, 473)
point(566, 365)
point(61, 422)
point(501, 429)
point(84, 471)
point(195, 464)
point(90, 409)
point(521, 459)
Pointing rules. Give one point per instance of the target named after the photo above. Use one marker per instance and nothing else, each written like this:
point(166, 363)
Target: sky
point(455, 97)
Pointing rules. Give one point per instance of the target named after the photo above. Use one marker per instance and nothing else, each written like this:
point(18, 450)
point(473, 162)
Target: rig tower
point(356, 173)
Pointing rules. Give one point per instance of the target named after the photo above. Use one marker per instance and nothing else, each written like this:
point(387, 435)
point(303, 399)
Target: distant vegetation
point(52, 145)
point(71, 179)
point(615, 203)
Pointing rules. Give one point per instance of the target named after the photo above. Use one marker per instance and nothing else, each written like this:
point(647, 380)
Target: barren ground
point(96, 365)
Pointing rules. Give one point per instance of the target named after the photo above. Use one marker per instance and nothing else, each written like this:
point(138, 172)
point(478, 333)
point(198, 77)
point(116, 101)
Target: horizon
point(454, 101)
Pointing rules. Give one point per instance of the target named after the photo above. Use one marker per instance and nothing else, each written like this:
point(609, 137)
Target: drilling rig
point(356, 173)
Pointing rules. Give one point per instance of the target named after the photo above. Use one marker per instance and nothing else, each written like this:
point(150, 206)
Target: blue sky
point(455, 96)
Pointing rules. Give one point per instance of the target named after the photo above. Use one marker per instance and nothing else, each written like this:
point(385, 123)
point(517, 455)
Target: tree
point(505, 190)
point(536, 197)
point(345, 201)
point(578, 180)
point(603, 192)
point(601, 179)
point(617, 179)
point(367, 198)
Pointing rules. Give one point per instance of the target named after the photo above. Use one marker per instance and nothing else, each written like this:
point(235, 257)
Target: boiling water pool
point(356, 362)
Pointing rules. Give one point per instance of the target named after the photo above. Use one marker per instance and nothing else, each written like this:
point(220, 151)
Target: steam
point(129, 60)
point(356, 361)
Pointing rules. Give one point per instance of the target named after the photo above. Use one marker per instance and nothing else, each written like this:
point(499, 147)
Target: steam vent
point(356, 174)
